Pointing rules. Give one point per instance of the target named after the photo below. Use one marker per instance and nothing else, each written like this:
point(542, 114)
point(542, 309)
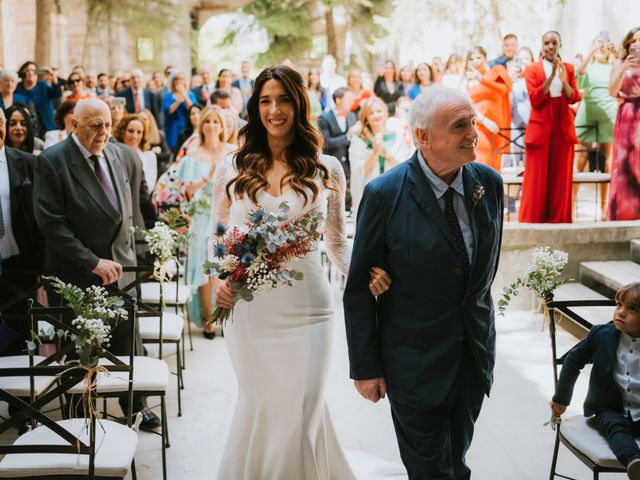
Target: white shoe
point(633, 469)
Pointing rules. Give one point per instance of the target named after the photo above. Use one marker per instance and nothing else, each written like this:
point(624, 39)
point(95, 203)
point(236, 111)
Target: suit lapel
point(335, 126)
point(470, 182)
point(423, 195)
point(117, 175)
point(14, 169)
point(611, 343)
point(88, 181)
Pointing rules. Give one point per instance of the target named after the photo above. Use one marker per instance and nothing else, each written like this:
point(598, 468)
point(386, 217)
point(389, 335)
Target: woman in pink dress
point(624, 202)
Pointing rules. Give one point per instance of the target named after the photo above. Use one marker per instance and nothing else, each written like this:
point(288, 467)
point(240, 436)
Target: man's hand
point(557, 409)
point(380, 281)
point(373, 389)
point(108, 271)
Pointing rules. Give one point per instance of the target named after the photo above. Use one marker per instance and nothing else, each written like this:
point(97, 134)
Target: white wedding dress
point(280, 348)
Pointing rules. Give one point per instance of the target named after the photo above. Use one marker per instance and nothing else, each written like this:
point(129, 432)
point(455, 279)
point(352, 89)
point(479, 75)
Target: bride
point(280, 343)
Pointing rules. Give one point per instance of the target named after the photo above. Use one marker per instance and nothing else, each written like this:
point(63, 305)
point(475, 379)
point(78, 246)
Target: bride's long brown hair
point(254, 159)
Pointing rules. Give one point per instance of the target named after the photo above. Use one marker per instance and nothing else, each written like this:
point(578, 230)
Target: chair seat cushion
point(150, 293)
point(172, 327)
point(149, 374)
point(115, 447)
point(19, 386)
point(582, 433)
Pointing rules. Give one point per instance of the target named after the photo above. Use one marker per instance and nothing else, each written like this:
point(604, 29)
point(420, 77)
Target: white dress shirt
point(101, 159)
point(342, 120)
point(8, 244)
point(627, 373)
point(439, 188)
point(555, 89)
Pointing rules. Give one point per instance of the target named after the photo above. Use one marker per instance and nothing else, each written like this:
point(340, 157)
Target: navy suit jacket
point(414, 335)
point(600, 348)
point(336, 142)
point(149, 100)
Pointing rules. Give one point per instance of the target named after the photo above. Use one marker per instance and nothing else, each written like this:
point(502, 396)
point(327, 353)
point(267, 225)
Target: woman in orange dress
point(550, 137)
point(489, 90)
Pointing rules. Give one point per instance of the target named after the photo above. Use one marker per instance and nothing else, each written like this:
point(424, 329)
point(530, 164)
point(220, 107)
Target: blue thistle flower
point(257, 216)
point(220, 250)
point(220, 229)
point(247, 258)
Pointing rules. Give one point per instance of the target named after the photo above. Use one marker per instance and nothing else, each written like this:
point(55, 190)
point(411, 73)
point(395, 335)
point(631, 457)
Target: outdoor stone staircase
point(599, 281)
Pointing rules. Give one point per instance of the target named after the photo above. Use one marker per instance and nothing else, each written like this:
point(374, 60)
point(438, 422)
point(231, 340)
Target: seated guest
point(41, 93)
point(175, 108)
point(132, 132)
point(355, 86)
point(77, 91)
point(424, 79)
point(20, 133)
point(388, 86)
point(137, 97)
point(21, 244)
point(335, 126)
point(374, 150)
point(64, 118)
point(224, 82)
point(8, 84)
point(509, 51)
point(612, 400)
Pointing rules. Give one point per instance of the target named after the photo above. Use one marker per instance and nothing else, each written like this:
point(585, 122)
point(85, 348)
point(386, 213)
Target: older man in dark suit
point(83, 206)
point(21, 244)
point(335, 126)
point(434, 223)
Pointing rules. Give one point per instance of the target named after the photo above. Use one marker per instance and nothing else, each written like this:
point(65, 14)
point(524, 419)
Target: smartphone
point(634, 51)
point(604, 36)
point(518, 63)
point(118, 101)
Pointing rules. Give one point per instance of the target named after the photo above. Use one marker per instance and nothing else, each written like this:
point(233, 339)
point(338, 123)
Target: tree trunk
point(332, 44)
point(43, 32)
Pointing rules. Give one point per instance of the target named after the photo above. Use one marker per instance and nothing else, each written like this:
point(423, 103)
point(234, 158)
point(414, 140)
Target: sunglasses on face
point(75, 80)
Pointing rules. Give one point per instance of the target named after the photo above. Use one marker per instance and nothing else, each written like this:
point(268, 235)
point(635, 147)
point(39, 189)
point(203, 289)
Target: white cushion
point(172, 267)
point(19, 386)
point(172, 327)
point(148, 374)
point(150, 293)
point(583, 434)
point(114, 451)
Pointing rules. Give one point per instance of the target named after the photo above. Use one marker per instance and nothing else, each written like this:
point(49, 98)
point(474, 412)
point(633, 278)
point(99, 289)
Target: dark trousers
point(621, 433)
point(433, 443)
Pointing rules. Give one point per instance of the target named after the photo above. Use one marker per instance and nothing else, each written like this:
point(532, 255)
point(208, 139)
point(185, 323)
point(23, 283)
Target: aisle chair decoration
point(253, 258)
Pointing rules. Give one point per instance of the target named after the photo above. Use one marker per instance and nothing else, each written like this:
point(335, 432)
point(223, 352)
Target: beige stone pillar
point(8, 53)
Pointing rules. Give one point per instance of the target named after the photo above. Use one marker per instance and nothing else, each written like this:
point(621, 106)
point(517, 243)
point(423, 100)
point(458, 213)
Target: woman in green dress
point(597, 112)
point(195, 171)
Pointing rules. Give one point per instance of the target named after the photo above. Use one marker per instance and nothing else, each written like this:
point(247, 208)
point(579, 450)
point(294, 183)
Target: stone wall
point(582, 241)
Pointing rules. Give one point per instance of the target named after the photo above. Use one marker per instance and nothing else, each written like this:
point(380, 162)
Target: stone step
point(576, 291)
point(635, 250)
point(611, 274)
point(593, 315)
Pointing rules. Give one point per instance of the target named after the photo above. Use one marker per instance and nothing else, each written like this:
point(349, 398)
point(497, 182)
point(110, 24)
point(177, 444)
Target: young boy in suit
point(614, 385)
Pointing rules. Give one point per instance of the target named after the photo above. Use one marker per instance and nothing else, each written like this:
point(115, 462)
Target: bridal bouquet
point(541, 276)
point(254, 258)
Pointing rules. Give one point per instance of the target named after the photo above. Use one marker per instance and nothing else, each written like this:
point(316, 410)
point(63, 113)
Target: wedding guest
point(388, 87)
point(329, 78)
point(489, 90)
point(317, 95)
point(374, 150)
point(86, 216)
point(231, 122)
point(407, 77)
point(399, 123)
point(624, 201)
point(175, 107)
point(245, 84)
point(91, 82)
point(20, 131)
point(424, 79)
point(221, 98)
point(163, 89)
point(598, 109)
point(452, 76)
point(118, 110)
point(41, 93)
point(64, 122)
point(136, 96)
point(356, 87)
point(437, 68)
point(224, 82)
point(157, 141)
point(192, 125)
point(103, 89)
point(8, 84)
point(21, 243)
point(196, 173)
point(76, 91)
point(612, 400)
point(550, 137)
point(132, 132)
point(196, 81)
point(509, 51)
point(520, 104)
point(203, 92)
point(335, 126)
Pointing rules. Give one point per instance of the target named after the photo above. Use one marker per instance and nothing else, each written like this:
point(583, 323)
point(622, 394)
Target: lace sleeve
point(335, 236)
point(220, 205)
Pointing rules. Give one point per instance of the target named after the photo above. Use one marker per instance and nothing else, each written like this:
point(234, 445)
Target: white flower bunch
point(541, 276)
point(260, 278)
point(162, 241)
point(93, 331)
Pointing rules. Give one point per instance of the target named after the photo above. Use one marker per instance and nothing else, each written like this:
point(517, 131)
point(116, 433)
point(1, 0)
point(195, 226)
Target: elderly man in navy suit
point(435, 224)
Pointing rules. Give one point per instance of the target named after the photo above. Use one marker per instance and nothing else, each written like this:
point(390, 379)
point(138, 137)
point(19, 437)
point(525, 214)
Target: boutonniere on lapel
point(478, 193)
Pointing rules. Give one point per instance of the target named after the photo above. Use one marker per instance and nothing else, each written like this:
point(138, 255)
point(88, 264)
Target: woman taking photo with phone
point(624, 202)
point(550, 137)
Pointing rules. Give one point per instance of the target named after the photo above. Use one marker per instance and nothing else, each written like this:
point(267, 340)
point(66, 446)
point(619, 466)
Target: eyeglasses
point(75, 80)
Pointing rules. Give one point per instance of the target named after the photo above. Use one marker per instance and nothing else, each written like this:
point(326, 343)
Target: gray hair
point(90, 105)
point(136, 72)
point(8, 74)
point(424, 107)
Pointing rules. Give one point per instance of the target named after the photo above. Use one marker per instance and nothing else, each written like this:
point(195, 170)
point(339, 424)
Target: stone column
point(8, 54)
